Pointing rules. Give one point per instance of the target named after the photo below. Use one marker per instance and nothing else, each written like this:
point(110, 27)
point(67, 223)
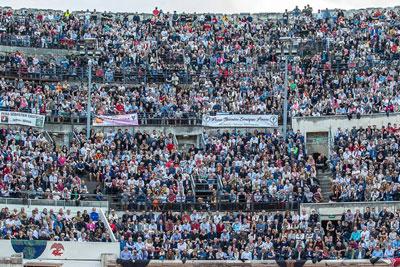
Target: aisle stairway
point(186, 141)
point(325, 181)
point(204, 189)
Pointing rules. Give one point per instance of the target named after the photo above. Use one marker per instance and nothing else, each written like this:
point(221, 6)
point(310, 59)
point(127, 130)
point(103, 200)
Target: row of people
point(257, 236)
point(52, 225)
point(364, 163)
point(355, 74)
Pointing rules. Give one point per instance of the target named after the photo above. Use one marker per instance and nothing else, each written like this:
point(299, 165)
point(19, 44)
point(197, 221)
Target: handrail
point(144, 118)
point(337, 208)
point(31, 41)
point(219, 184)
point(202, 141)
point(175, 141)
point(247, 263)
point(331, 138)
point(52, 202)
point(49, 137)
point(383, 114)
point(126, 76)
point(36, 194)
point(143, 73)
point(193, 187)
point(103, 218)
point(220, 203)
point(76, 136)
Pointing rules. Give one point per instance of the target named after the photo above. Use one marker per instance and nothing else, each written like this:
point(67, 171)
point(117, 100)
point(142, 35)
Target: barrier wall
point(270, 263)
point(325, 123)
point(108, 260)
point(29, 208)
point(63, 263)
point(36, 51)
point(334, 211)
point(59, 251)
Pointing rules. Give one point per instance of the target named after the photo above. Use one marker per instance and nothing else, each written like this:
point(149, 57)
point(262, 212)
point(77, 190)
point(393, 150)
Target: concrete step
point(326, 187)
point(325, 182)
point(187, 141)
point(91, 186)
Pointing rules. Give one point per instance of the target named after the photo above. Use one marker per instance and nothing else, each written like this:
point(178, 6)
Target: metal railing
point(131, 75)
point(32, 41)
point(193, 184)
point(143, 119)
point(159, 119)
point(35, 42)
point(49, 138)
point(337, 208)
point(76, 137)
point(52, 202)
point(218, 204)
point(176, 143)
point(144, 74)
point(104, 219)
point(202, 141)
point(266, 263)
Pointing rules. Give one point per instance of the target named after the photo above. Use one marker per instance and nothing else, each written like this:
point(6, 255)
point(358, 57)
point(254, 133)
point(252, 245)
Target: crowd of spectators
point(259, 167)
point(257, 236)
point(230, 61)
point(181, 65)
point(145, 169)
point(52, 225)
point(32, 167)
point(365, 164)
point(142, 168)
point(63, 99)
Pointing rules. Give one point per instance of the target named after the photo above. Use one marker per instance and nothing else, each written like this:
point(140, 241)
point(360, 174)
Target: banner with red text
point(239, 120)
point(116, 120)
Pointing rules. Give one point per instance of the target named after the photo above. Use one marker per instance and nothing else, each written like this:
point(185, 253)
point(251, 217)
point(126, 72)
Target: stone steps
point(325, 181)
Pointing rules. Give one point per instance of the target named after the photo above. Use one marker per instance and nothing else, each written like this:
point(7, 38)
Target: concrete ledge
point(334, 210)
point(212, 263)
point(327, 123)
point(36, 51)
point(14, 260)
point(174, 129)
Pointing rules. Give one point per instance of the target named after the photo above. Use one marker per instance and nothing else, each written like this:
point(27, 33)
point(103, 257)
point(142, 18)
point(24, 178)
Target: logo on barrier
point(31, 249)
point(57, 249)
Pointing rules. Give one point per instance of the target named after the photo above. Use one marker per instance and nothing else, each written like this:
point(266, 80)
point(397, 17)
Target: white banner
point(20, 118)
point(57, 250)
point(117, 120)
point(238, 120)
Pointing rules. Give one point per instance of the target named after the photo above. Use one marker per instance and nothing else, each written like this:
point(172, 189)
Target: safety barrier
point(255, 263)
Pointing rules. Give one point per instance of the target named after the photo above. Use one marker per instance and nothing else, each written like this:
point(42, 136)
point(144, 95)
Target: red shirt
point(156, 12)
point(220, 227)
point(171, 198)
point(186, 217)
point(394, 48)
point(169, 226)
point(195, 226)
point(169, 164)
point(113, 227)
point(120, 108)
point(6, 170)
point(206, 27)
point(170, 147)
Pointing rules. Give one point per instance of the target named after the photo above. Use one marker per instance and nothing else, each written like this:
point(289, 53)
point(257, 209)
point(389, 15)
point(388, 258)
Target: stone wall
point(327, 123)
point(355, 263)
